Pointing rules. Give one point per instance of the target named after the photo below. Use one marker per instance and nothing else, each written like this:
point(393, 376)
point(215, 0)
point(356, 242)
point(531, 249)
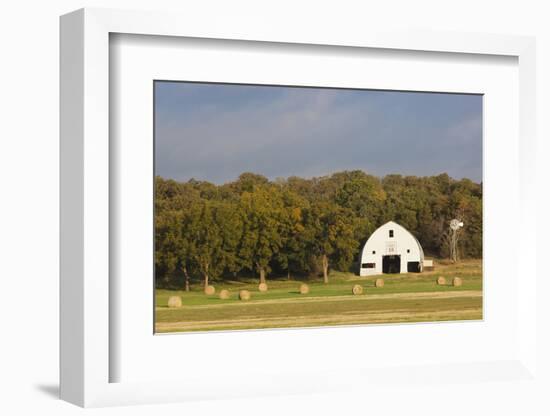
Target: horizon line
point(275, 179)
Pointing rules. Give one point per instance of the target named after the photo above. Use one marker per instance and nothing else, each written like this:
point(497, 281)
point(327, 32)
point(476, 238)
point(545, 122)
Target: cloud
point(308, 132)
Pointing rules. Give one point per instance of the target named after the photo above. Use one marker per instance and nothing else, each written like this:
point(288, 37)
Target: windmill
point(455, 226)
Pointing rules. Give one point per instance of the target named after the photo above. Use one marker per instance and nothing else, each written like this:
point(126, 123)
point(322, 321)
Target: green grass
point(404, 298)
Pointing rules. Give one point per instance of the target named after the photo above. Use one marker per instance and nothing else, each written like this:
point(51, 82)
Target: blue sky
point(215, 132)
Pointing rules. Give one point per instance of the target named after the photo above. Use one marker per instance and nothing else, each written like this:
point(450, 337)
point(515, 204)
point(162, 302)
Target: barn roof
point(393, 223)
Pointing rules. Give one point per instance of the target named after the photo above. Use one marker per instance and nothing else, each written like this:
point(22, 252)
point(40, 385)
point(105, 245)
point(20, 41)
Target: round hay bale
point(224, 294)
point(441, 280)
point(244, 295)
point(357, 289)
point(457, 281)
point(174, 302)
point(209, 290)
point(304, 289)
point(379, 283)
point(262, 287)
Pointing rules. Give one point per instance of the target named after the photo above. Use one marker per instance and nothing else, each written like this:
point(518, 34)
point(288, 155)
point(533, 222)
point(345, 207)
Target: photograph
point(296, 206)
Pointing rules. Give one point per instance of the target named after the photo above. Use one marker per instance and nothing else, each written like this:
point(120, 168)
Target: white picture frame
point(87, 356)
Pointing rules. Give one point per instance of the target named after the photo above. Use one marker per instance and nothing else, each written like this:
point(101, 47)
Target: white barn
point(391, 249)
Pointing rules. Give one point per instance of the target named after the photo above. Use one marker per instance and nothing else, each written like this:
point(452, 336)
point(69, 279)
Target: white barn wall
point(382, 245)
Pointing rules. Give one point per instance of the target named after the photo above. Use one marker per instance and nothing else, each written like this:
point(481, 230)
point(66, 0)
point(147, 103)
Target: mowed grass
point(404, 298)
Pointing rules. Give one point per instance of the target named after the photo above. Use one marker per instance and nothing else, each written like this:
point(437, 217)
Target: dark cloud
point(215, 132)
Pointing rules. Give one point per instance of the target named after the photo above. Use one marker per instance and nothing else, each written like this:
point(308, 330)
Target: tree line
point(297, 226)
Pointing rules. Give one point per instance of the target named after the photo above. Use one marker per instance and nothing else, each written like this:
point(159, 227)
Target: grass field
point(404, 298)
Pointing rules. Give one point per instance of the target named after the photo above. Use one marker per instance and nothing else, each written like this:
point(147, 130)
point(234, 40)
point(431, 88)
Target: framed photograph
point(266, 215)
point(237, 208)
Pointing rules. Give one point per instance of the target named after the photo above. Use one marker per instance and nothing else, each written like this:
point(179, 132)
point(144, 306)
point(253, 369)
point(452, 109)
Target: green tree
point(331, 235)
point(364, 196)
point(229, 222)
point(261, 238)
point(297, 224)
point(206, 246)
point(166, 245)
point(292, 254)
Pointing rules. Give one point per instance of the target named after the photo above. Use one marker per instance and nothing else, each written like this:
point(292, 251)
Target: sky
point(214, 132)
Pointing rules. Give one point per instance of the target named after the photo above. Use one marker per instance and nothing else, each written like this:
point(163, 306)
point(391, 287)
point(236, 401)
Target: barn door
point(391, 264)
